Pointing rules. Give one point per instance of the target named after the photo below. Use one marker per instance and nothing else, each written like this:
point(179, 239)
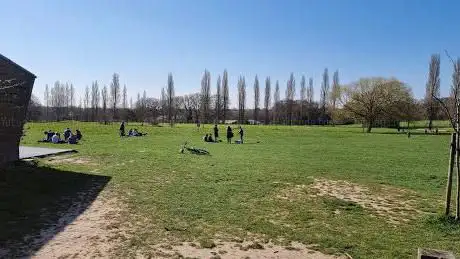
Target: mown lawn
point(236, 189)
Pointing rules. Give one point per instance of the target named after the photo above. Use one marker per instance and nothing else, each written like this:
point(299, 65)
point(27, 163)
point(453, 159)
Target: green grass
point(233, 191)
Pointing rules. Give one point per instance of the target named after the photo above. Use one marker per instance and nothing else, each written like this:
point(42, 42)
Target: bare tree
point(67, 97)
point(335, 94)
point(125, 98)
point(72, 97)
point(131, 103)
point(218, 99)
point(225, 95)
point(310, 91)
point(303, 96)
point(115, 94)
point(324, 93)
point(47, 99)
point(105, 99)
point(432, 89)
point(86, 102)
point(290, 94)
point(241, 99)
point(95, 99)
point(267, 100)
point(276, 104)
point(170, 101)
point(256, 98)
point(205, 96)
point(372, 99)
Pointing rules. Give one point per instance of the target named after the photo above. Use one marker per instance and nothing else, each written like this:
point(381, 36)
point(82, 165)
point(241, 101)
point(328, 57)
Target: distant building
point(16, 85)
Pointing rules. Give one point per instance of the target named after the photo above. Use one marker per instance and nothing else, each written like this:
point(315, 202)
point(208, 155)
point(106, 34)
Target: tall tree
point(170, 101)
point(95, 99)
point(115, 94)
point(324, 93)
point(218, 99)
point(125, 98)
point(290, 95)
point(276, 104)
point(225, 96)
point(432, 89)
point(335, 94)
point(72, 97)
point(241, 99)
point(205, 96)
point(310, 90)
point(131, 103)
point(256, 98)
point(105, 99)
point(47, 99)
point(267, 100)
point(303, 96)
point(163, 104)
point(86, 102)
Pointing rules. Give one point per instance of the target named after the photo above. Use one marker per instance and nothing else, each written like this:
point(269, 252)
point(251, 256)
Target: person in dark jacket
point(67, 134)
point(216, 133)
point(122, 129)
point(229, 134)
point(79, 135)
point(241, 132)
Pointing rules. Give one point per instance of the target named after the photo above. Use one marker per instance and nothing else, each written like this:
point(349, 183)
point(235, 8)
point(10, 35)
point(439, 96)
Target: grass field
point(375, 195)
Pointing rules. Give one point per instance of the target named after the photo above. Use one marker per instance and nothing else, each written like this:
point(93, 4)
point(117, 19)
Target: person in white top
point(55, 139)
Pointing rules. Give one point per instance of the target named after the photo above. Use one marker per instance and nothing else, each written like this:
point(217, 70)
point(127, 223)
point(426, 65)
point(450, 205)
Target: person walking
point(229, 135)
point(241, 132)
point(122, 129)
point(216, 133)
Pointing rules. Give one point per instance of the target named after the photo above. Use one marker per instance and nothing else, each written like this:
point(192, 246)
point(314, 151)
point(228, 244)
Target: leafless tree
point(256, 98)
point(125, 98)
point(95, 99)
point(47, 99)
point(335, 94)
point(324, 93)
point(310, 91)
point(276, 104)
point(205, 96)
point(241, 99)
point(115, 94)
point(218, 105)
point(170, 101)
point(86, 102)
point(131, 103)
point(433, 90)
point(267, 100)
point(72, 97)
point(225, 95)
point(303, 95)
point(290, 95)
point(105, 99)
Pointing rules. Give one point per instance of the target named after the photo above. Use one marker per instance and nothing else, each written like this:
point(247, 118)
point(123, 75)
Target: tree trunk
point(457, 160)
point(369, 126)
point(450, 172)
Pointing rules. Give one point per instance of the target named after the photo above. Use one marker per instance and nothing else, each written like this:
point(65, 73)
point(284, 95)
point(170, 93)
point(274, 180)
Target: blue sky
point(82, 41)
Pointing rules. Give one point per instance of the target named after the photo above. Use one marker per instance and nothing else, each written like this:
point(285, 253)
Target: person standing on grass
point(241, 132)
point(229, 135)
point(216, 133)
point(122, 129)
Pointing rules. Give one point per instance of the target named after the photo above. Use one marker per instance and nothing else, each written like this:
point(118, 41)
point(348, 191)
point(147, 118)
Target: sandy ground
point(92, 234)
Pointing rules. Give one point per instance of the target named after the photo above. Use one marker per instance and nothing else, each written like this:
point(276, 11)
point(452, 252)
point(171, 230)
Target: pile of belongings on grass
point(193, 150)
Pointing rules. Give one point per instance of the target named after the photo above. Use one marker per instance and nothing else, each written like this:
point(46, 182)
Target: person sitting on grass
point(130, 132)
point(79, 135)
point(56, 139)
point(73, 139)
point(210, 138)
point(205, 138)
point(67, 134)
point(50, 135)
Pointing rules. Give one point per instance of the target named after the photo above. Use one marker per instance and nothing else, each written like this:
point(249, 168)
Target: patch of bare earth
point(94, 233)
point(230, 250)
point(70, 160)
point(394, 204)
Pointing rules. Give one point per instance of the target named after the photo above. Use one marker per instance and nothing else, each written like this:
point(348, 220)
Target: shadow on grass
point(413, 133)
point(36, 203)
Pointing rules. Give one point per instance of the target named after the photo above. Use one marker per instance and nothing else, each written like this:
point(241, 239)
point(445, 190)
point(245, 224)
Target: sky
point(144, 40)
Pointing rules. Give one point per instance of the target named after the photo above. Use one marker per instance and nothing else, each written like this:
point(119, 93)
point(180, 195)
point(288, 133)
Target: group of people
point(69, 137)
point(208, 137)
point(131, 132)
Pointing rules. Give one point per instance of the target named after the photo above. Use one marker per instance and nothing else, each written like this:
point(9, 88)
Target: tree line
point(369, 100)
